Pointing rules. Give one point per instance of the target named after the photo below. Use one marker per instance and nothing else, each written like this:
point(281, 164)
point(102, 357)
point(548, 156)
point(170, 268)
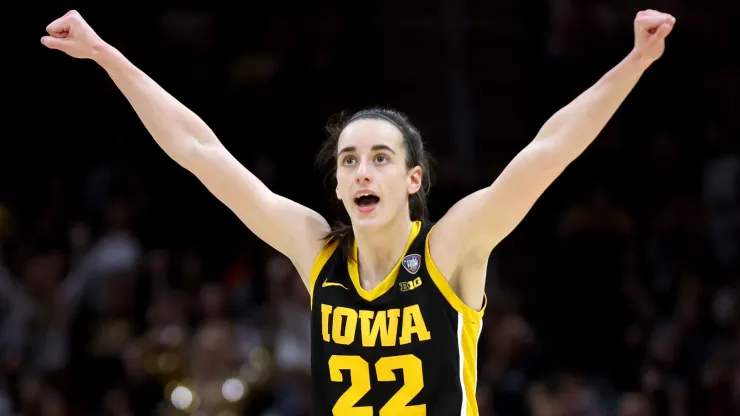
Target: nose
point(362, 174)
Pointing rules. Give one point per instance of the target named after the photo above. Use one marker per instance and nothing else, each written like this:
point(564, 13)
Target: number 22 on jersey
point(360, 384)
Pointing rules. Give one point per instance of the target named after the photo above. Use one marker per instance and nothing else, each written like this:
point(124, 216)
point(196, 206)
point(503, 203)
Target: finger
point(647, 13)
point(58, 26)
point(652, 13)
point(61, 24)
point(53, 43)
point(664, 30)
point(650, 21)
point(651, 24)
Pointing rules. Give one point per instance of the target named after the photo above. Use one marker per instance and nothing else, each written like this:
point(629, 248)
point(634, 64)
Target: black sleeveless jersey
point(406, 348)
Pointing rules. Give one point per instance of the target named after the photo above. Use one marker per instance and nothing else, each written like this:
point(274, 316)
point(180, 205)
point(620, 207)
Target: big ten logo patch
point(410, 285)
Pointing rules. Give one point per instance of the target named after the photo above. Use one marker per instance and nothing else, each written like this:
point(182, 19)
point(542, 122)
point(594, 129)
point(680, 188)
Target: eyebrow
point(375, 148)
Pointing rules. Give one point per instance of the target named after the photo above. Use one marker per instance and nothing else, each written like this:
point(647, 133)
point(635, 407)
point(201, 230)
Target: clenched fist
point(72, 35)
point(651, 29)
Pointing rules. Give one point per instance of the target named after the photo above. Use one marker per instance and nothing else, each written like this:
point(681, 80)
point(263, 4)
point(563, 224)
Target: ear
point(337, 192)
point(414, 180)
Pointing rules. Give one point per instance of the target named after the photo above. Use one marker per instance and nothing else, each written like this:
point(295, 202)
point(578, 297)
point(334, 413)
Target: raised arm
point(474, 226)
point(290, 228)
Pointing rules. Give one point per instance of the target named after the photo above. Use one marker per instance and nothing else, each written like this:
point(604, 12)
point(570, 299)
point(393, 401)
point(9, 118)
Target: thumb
point(53, 43)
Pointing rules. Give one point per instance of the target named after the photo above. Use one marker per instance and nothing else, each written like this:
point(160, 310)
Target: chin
point(368, 221)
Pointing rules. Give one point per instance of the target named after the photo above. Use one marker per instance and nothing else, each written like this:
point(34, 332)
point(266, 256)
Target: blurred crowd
point(127, 290)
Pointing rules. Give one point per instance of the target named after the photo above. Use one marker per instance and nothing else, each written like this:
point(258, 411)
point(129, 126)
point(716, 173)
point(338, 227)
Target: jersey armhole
point(444, 287)
point(319, 264)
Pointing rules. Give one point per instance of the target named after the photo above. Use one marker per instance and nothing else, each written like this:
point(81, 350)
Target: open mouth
point(366, 202)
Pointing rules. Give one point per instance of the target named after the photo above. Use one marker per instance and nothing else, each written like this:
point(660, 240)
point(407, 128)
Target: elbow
point(551, 154)
point(188, 153)
point(187, 141)
point(562, 141)
point(185, 137)
point(197, 157)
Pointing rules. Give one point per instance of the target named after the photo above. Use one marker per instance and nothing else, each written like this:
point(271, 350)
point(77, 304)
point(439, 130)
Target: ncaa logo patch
point(411, 263)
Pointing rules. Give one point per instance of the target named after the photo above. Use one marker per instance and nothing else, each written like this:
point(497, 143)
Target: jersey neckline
point(387, 282)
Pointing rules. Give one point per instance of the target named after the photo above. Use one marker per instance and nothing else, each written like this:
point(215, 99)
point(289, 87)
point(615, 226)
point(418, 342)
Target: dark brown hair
point(415, 156)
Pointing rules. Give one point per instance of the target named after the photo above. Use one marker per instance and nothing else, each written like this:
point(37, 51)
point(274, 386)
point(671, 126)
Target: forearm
point(177, 130)
point(569, 131)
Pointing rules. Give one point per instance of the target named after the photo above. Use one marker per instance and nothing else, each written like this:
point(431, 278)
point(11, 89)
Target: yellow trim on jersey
point(469, 336)
point(443, 285)
point(387, 283)
point(319, 264)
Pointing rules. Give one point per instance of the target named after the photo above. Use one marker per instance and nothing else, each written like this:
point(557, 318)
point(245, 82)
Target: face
point(373, 181)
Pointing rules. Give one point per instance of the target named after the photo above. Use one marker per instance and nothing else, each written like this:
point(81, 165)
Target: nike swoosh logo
point(327, 284)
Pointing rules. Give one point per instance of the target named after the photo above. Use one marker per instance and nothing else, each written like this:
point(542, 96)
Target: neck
point(378, 250)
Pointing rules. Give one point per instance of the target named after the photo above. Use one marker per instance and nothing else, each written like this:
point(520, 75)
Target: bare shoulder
point(311, 240)
point(464, 270)
point(450, 241)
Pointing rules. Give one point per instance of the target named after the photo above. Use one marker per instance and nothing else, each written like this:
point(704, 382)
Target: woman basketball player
point(396, 301)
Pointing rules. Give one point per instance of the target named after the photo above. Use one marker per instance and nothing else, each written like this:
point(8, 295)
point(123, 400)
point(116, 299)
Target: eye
point(349, 160)
point(381, 159)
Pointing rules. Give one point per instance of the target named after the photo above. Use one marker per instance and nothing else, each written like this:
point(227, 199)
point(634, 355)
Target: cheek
point(404, 181)
point(398, 186)
point(341, 188)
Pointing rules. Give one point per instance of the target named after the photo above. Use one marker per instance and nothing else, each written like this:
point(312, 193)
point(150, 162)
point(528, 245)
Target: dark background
point(123, 278)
